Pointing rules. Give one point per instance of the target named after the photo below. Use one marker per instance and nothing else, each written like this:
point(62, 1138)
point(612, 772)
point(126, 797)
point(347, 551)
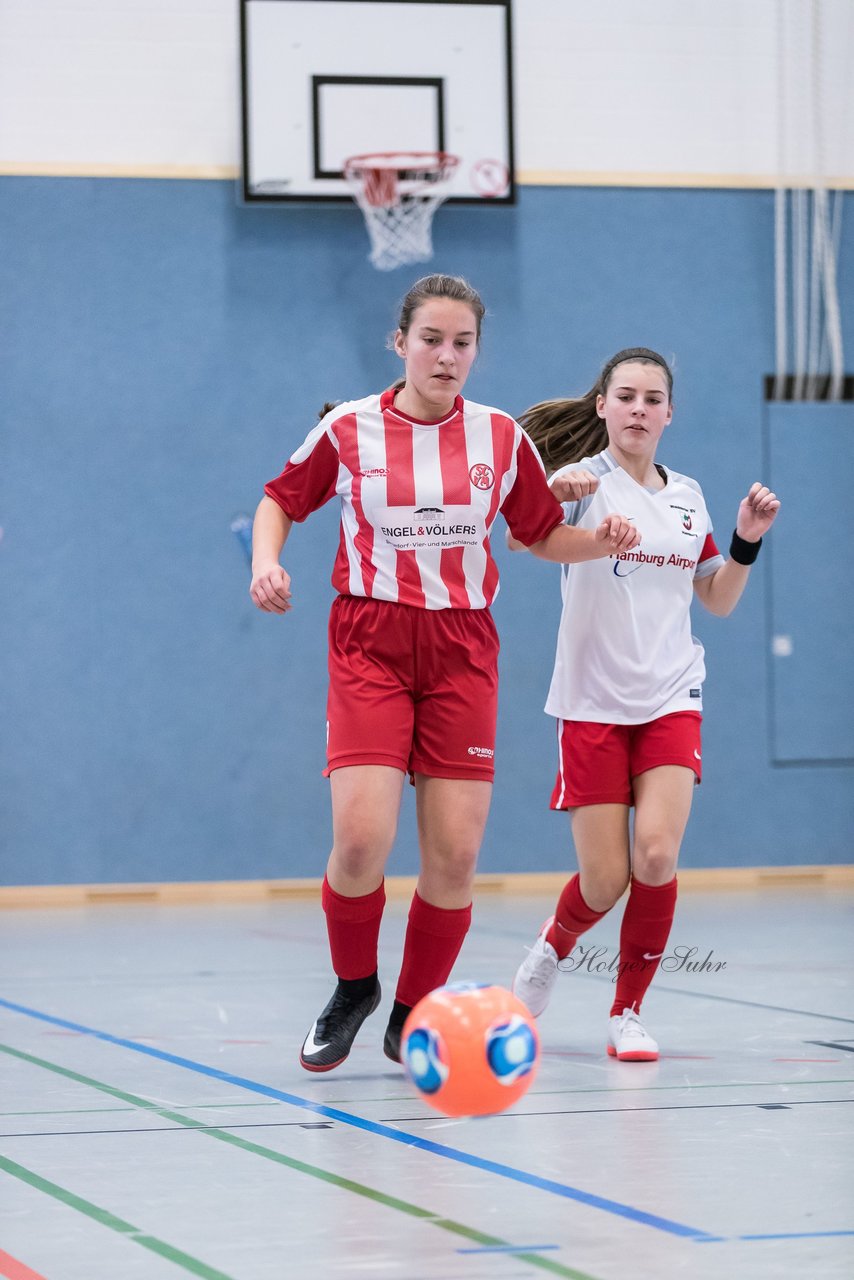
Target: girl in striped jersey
point(421, 474)
point(627, 684)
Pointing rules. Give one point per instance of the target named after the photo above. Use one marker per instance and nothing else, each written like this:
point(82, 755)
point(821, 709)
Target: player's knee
point(605, 891)
point(361, 851)
point(654, 859)
point(454, 866)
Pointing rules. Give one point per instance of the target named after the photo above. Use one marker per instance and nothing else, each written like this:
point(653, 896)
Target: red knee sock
point(433, 940)
point(644, 932)
point(353, 925)
point(572, 917)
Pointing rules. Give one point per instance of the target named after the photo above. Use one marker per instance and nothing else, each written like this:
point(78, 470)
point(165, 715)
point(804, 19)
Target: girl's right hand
point(573, 485)
point(270, 588)
point(617, 533)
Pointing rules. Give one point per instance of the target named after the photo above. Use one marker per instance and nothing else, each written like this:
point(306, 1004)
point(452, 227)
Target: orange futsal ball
point(470, 1049)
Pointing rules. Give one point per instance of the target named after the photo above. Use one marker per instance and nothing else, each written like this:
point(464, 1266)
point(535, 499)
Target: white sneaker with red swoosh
point(628, 1040)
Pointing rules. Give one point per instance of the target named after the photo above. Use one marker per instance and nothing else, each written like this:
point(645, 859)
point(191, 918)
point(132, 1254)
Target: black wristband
point(743, 552)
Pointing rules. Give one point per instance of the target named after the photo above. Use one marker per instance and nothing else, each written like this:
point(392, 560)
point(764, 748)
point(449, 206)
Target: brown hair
point(566, 430)
point(439, 286)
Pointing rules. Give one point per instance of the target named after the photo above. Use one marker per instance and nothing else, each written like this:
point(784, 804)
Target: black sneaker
point(331, 1037)
point(394, 1030)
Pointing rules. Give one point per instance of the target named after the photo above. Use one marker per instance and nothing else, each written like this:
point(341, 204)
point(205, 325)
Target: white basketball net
point(398, 193)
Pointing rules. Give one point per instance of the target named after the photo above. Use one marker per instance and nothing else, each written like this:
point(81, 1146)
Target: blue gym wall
point(165, 349)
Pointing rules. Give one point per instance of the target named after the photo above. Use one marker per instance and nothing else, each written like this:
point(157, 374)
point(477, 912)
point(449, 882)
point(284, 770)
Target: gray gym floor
point(155, 1121)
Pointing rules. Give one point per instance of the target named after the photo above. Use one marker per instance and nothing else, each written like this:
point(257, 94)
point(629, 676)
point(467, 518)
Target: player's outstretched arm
point(270, 588)
point(721, 591)
point(568, 545)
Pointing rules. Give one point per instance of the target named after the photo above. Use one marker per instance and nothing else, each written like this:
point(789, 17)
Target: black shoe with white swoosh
point(331, 1037)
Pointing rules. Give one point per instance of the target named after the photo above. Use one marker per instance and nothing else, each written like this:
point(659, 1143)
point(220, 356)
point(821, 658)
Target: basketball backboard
point(327, 79)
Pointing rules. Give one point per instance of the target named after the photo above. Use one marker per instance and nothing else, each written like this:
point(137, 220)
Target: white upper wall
point(659, 91)
point(119, 84)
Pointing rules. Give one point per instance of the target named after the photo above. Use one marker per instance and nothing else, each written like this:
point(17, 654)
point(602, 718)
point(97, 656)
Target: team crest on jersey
point(687, 514)
point(482, 476)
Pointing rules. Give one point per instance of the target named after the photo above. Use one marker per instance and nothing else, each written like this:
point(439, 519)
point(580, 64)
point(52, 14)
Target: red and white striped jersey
point(418, 499)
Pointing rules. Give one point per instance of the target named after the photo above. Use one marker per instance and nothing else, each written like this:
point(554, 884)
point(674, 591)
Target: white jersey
point(625, 652)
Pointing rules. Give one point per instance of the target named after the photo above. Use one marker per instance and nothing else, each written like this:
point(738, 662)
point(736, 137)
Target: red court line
point(12, 1269)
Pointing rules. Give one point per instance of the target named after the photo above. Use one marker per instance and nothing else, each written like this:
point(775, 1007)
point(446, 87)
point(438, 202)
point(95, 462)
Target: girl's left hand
point(756, 513)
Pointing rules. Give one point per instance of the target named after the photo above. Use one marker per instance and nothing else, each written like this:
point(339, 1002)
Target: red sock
point(644, 932)
point(353, 925)
point(572, 917)
point(434, 936)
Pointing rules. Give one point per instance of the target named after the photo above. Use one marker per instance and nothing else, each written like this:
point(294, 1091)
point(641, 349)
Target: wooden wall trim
point(525, 177)
point(548, 882)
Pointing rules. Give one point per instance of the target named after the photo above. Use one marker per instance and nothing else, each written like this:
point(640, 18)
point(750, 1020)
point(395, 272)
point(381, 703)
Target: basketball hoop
point(398, 192)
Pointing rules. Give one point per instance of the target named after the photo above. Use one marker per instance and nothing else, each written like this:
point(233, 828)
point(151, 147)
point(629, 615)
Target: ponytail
point(565, 430)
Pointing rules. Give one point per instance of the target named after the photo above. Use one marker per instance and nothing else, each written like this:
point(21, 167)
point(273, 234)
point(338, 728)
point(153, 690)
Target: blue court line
point(777, 1235)
point(380, 1130)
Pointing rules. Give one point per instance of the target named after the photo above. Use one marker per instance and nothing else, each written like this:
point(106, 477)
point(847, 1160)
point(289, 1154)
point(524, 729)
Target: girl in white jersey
point(421, 475)
point(627, 685)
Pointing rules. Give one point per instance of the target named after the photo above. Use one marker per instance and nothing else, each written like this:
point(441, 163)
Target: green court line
point(299, 1166)
point(107, 1219)
point(103, 1111)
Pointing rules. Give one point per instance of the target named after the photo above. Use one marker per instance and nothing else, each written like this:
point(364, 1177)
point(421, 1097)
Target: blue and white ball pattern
point(470, 1049)
point(425, 1060)
point(511, 1049)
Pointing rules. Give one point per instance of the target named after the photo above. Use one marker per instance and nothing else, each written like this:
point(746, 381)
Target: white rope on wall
point(807, 217)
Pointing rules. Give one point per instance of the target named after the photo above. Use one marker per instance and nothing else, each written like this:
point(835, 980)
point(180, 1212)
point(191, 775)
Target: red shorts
point(416, 689)
point(598, 762)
